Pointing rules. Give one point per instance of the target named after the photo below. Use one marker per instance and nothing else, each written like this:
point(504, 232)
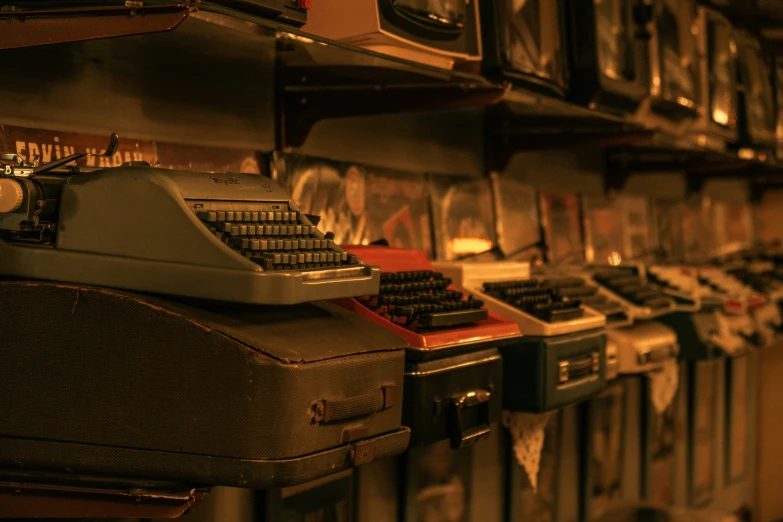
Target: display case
point(717, 124)
point(675, 59)
point(609, 69)
point(524, 43)
point(437, 33)
point(756, 114)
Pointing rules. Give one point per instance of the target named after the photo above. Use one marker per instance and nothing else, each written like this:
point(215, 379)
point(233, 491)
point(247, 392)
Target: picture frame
point(525, 504)
point(603, 450)
point(437, 483)
point(702, 409)
point(562, 227)
point(659, 438)
point(518, 220)
point(736, 429)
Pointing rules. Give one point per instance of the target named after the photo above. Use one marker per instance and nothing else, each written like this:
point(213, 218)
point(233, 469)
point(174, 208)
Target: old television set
point(756, 107)
point(524, 42)
point(608, 66)
point(433, 32)
point(674, 59)
point(717, 124)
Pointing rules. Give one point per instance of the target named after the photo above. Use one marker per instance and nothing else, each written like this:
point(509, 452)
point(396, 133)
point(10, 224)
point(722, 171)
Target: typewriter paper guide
point(494, 328)
point(140, 228)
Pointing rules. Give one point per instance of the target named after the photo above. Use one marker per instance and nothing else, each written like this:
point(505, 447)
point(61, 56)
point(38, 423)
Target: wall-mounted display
point(432, 32)
point(562, 226)
point(702, 411)
point(538, 504)
point(607, 72)
point(359, 204)
point(523, 42)
point(737, 398)
point(463, 216)
point(606, 448)
point(757, 122)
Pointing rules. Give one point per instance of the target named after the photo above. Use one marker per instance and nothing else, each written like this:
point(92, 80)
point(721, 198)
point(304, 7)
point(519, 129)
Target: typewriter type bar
point(453, 375)
point(228, 237)
point(195, 394)
point(561, 357)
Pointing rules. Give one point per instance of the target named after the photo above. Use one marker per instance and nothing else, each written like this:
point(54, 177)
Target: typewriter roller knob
point(11, 195)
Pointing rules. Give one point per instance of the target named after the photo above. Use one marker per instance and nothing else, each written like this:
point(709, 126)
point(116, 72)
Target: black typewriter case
point(107, 383)
point(452, 394)
point(542, 374)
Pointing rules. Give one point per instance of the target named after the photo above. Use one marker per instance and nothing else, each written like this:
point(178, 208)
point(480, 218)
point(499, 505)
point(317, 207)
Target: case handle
point(326, 411)
point(460, 435)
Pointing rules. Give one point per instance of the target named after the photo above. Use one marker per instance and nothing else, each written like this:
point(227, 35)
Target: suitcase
point(103, 383)
point(453, 384)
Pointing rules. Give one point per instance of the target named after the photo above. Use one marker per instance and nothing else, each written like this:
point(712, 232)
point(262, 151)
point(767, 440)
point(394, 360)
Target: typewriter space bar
point(331, 274)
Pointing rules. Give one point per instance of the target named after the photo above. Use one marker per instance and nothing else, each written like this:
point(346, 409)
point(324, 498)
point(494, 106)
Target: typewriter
point(629, 286)
point(762, 278)
point(453, 373)
point(561, 358)
point(219, 236)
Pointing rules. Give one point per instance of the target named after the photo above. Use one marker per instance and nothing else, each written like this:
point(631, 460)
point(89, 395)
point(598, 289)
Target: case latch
point(362, 452)
point(458, 406)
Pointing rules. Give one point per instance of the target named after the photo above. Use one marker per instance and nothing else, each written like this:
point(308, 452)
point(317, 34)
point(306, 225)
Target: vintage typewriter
point(561, 359)
point(629, 286)
point(221, 236)
point(761, 277)
point(453, 379)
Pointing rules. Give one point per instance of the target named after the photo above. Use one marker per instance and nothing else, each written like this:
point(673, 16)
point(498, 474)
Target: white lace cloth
point(527, 432)
point(663, 385)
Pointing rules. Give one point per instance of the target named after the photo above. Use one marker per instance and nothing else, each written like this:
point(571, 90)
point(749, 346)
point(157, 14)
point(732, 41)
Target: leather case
point(106, 383)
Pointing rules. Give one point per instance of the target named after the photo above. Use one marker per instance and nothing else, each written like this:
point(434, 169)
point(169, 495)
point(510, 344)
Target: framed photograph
point(701, 435)
point(527, 504)
point(737, 380)
point(518, 224)
point(603, 226)
point(359, 203)
point(606, 447)
point(463, 216)
point(329, 498)
point(659, 437)
point(438, 483)
point(562, 227)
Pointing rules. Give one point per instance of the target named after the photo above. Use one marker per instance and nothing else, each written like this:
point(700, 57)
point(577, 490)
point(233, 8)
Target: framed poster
point(562, 227)
point(438, 483)
point(701, 443)
point(659, 438)
point(737, 380)
point(463, 216)
point(360, 204)
point(606, 447)
point(518, 225)
point(529, 504)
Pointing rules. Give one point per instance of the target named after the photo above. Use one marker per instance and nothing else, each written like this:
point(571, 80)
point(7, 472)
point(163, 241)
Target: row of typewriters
point(675, 65)
point(167, 331)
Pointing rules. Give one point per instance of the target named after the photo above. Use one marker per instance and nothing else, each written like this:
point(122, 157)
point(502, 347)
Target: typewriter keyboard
point(628, 285)
point(275, 240)
point(421, 300)
point(551, 300)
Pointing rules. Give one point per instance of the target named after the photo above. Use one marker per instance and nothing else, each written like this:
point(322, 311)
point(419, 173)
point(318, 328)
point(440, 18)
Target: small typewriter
point(644, 346)
point(644, 300)
point(561, 358)
point(221, 236)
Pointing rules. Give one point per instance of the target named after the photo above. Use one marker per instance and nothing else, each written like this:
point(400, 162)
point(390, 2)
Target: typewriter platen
point(230, 237)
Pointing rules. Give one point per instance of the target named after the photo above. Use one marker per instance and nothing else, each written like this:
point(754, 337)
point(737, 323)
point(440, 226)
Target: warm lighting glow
point(720, 116)
point(746, 154)
point(615, 259)
point(461, 246)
